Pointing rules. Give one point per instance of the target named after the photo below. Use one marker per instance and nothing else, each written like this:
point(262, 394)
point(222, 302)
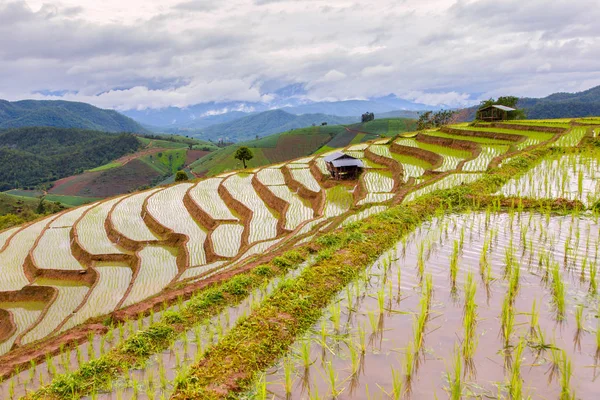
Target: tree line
point(34, 156)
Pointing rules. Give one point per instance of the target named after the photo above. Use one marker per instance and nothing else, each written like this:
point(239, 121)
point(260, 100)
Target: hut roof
point(499, 107)
point(347, 162)
point(334, 156)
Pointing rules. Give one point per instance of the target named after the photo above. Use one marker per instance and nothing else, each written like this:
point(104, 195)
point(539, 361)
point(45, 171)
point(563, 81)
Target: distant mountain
point(267, 123)
point(64, 114)
point(193, 117)
point(398, 114)
point(557, 105)
point(563, 105)
point(200, 116)
point(357, 107)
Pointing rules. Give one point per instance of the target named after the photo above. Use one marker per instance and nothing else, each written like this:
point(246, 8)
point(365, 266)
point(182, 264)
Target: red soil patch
point(72, 185)
point(193, 155)
point(111, 182)
point(290, 147)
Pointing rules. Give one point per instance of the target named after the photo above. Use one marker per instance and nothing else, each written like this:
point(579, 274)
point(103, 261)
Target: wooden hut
point(493, 113)
point(343, 166)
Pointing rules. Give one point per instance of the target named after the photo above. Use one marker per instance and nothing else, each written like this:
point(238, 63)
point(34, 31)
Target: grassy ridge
point(386, 126)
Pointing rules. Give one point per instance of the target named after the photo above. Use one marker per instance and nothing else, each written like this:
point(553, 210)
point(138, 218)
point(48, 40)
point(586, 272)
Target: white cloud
point(139, 54)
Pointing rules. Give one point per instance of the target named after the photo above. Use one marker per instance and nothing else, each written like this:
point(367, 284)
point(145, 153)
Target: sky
point(139, 54)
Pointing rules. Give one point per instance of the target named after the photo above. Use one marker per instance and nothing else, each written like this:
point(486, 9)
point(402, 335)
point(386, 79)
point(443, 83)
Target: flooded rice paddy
point(572, 177)
point(478, 305)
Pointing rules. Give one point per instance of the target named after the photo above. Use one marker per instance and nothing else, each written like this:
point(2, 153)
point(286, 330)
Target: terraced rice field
point(572, 177)
point(462, 305)
point(108, 257)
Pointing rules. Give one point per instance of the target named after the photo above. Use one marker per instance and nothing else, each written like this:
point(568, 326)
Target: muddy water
point(533, 242)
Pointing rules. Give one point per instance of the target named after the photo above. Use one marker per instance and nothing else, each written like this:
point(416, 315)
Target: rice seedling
point(566, 391)
point(515, 384)
point(362, 338)
point(469, 344)
point(534, 322)
point(598, 339)
point(332, 378)
point(558, 293)
point(507, 320)
point(381, 300)
point(397, 385)
point(454, 265)
point(260, 388)
point(579, 323)
point(288, 371)
point(409, 364)
point(593, 274)
point(455, 384)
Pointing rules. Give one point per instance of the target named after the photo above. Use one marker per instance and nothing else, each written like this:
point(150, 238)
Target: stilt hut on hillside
point(493, 113)
point(343, 166)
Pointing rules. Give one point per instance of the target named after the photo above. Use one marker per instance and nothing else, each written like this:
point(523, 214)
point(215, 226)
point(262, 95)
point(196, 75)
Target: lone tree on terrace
point(181, 176)
point(243, 154)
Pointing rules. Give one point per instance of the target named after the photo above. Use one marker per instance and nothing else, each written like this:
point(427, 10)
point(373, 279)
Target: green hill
point(35, 155)
point(557, 105)
point(280, 147)
point(386, 126)
point(64, 114)
point(266, 123)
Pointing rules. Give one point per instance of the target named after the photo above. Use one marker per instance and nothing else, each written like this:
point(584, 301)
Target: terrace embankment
point(484, 134)
point(316, 199)
point(274, 202)
point(428, 156)
point(197, 212)
point(394, 166)
point(7, 325)
point(526, 127)
point(245, 213)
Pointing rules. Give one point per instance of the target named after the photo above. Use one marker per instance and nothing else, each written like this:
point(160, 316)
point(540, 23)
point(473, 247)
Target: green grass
point(386, 126)
point(542, 136)
point(104, 167)
point(324, 149)
point(166, 162)
point(269, 149)
point(223, 161)
point(467, 138)
point(29, 195)
point(176, 142)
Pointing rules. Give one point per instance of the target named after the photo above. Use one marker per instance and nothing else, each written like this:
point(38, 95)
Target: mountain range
point(266, 123)
point(64, 114)
point(557, 105)
point(199, 116)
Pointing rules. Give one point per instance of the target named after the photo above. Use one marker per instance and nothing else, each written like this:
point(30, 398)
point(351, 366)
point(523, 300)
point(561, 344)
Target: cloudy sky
point(136, 54)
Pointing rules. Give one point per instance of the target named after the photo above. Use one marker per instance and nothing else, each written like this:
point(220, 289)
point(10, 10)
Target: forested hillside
point(557, 105)
point(30, 156)
point(64, 114)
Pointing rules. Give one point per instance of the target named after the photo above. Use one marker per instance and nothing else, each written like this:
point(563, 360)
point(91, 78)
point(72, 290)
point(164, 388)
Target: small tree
point(181, 176)
point(243, 154)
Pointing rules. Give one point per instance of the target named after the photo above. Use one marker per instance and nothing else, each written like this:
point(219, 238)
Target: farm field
point(159, 159)
point(72, 201)
point(280, 147)
point(135, 271)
